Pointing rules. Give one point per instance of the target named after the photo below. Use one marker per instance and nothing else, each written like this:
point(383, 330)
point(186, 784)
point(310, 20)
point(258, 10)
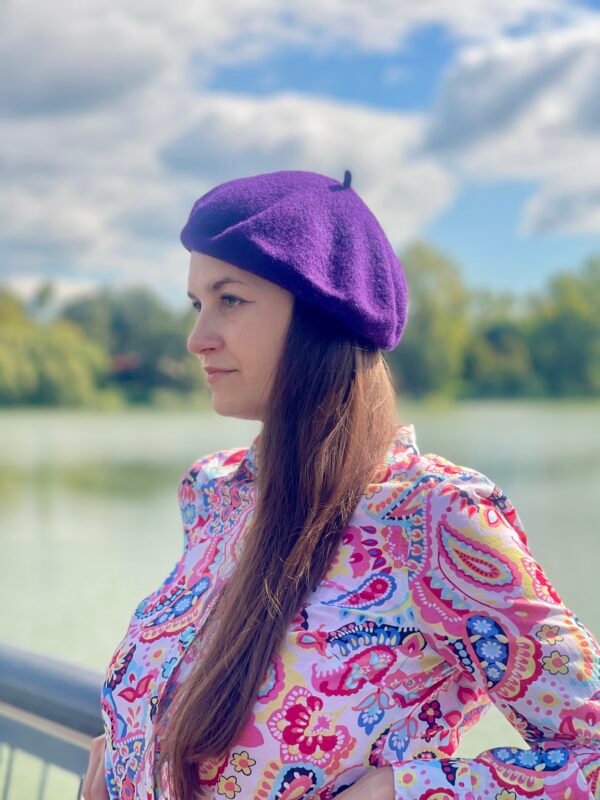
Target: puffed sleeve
point(191, 506)
point(186, 496)
point(193, 500)
point(483, 604)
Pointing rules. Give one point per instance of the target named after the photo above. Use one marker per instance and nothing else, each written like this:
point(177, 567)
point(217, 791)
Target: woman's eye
point(230, 300)
point(235, 299)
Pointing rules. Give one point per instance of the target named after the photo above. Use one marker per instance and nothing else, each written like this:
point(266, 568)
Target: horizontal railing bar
point(67, 755)
point(43, 725)
point(52, 689)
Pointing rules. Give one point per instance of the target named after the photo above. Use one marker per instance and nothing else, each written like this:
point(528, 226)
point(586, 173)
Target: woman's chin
point(229, 407)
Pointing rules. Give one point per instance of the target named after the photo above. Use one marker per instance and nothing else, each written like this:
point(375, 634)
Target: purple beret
point(313, 236)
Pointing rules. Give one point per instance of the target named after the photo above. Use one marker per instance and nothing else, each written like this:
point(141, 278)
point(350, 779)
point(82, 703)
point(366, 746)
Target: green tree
point(93, 314)
point(146, 340)
point(497, 361)
point(12, 309)
point(42, 306)
point(429, 358)
point(49, 365)
point(564, 332)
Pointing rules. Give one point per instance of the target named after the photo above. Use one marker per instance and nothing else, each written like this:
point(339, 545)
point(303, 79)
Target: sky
point(473, 126)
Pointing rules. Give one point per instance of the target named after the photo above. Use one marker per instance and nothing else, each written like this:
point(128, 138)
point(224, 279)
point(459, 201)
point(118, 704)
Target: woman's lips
point(215, 376)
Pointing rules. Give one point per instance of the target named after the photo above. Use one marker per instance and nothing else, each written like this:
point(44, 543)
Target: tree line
point(125, 346)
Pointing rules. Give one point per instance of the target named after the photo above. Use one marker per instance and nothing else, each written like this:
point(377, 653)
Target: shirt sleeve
point(483, 603)
point(193, 501)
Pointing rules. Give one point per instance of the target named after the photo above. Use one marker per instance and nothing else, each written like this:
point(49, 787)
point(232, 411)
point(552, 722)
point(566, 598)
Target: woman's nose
point(202, 338)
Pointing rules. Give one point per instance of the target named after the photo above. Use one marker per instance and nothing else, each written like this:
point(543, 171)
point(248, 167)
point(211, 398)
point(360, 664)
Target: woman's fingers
point(94, 781)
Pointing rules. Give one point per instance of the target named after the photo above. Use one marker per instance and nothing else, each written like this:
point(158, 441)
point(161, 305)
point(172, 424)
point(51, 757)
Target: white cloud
point(231, 136)
point(119, 201)
point(382, 25)
point(53, 64)
point(528, 109)
point(72, 56)
point(104, 143)
point(563, 209)
point(64, 290)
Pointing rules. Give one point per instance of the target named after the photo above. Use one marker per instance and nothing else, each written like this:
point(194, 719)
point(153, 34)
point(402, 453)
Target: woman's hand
point(377, 784)
point(94, 782)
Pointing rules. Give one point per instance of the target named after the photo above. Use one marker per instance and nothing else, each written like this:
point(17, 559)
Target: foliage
point(146, 341)
point(55, 365)
point(123, 346)
point(564, 333)
point(430, 356)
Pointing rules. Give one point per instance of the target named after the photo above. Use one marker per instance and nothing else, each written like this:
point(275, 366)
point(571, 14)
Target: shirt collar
point(246, 469)
point(404, 439)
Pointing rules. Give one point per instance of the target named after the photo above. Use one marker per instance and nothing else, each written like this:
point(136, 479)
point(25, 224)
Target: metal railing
point(50, 709)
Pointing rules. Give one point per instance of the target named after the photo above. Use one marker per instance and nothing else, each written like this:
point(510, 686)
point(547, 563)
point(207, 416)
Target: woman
point(345, 607)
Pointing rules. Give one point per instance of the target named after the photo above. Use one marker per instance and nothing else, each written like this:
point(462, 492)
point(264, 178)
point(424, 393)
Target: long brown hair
point(331, 417)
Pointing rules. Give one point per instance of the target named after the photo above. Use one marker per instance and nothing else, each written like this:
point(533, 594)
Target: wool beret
point(315, 237)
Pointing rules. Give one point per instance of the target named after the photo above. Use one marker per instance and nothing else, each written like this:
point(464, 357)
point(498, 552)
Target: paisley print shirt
point(433, 607)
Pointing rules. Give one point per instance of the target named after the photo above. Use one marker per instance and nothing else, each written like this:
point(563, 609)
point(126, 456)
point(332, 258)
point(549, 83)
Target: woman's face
point(240, 327)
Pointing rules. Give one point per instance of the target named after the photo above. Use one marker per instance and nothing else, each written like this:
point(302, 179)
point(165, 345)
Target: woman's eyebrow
point(217, 285)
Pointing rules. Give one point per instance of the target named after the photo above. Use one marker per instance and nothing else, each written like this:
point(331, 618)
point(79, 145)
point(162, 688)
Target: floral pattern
point(432, 608)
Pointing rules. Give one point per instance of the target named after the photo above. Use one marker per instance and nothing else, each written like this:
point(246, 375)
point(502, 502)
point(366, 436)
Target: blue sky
point(473, 127)
point(406, 78)
point(480, 229)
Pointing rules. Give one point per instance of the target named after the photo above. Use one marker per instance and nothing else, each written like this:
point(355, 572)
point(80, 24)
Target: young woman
point(345, 607)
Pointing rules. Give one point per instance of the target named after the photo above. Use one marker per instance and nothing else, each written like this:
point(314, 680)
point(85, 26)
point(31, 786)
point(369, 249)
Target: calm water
point(89, 522)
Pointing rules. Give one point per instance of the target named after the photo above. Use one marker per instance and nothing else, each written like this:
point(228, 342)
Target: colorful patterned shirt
point(432, 608)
